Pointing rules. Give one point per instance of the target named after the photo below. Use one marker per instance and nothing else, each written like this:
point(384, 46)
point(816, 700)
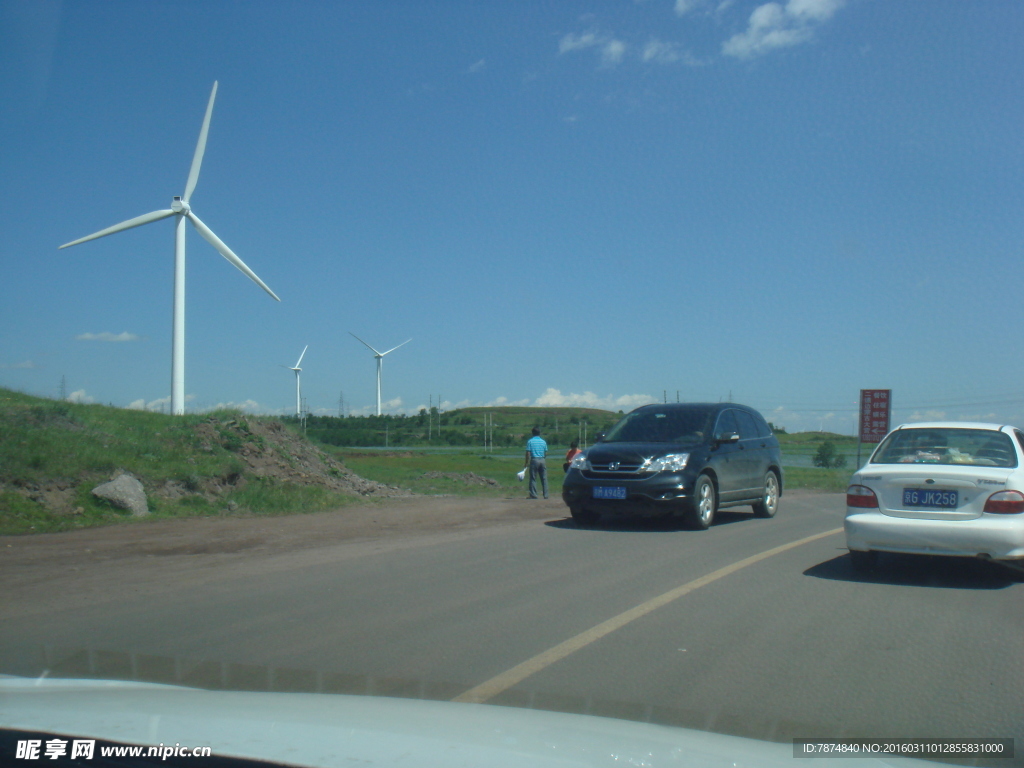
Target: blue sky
point(578, 203)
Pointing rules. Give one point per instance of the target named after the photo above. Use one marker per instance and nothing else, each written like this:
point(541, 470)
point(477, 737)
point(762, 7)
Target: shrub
point(828, 457)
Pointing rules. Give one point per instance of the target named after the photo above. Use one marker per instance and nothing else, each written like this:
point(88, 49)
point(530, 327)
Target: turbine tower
point(298, 390)
point(181, 210)
point(379, 356)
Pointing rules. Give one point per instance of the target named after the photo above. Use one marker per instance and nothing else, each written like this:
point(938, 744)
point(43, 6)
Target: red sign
point(875, 408)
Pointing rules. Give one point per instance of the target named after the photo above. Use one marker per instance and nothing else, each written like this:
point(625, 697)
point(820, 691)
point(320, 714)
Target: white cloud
point(25, 365)
point(573, 42)
point(816, 10)
point(612, 49)
point(774, 25)
point(811, 421)
point(498, 402)
point(613, 52)
point(554, 398)
point(477, 66)
point(107, 336)
point(160, 404)
point(659, 51)
point(79, 396)
point(683, 7)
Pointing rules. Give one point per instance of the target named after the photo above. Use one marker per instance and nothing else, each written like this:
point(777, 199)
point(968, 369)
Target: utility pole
point(664, 395)
point(430, 419)
point(677, 395)
point(63, 388)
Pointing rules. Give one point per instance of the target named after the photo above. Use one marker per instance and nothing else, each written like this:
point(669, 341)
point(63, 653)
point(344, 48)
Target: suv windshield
point(668, 425)
point(975, 447)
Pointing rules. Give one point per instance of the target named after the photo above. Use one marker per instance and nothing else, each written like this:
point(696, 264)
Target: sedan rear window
point(973, 447)
point(669, 425)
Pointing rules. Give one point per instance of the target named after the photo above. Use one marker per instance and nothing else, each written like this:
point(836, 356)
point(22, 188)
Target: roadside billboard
point(875, 410)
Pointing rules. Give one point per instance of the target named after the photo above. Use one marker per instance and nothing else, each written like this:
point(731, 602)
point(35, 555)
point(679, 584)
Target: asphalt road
point(738, 639)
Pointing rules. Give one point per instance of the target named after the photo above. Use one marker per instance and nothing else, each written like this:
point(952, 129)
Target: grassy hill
point(52, 454)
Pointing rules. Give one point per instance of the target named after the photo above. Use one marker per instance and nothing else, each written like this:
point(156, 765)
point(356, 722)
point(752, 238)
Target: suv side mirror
point(727, 437)
point(599, 438)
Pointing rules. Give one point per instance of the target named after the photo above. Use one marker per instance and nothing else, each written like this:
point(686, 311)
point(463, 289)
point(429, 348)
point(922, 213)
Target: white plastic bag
point(521, 474)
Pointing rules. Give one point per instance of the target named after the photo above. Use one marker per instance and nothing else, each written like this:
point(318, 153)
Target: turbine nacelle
point(180, 206)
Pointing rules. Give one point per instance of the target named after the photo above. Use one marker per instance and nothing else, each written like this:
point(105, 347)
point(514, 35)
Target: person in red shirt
point(574, 448)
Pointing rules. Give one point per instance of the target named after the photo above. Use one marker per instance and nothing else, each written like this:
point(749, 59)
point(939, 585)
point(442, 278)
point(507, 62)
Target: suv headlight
point(579, 461)
point(674, 462)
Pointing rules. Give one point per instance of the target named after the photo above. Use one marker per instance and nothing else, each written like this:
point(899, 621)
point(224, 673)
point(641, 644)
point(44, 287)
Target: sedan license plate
point(922, 497)
point(609, 492)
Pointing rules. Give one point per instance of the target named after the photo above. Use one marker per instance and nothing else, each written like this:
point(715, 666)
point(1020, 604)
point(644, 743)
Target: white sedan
point(941, 488)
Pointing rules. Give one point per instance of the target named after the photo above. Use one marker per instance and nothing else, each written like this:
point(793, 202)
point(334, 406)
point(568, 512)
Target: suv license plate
point(922, 497)
point(609, 492)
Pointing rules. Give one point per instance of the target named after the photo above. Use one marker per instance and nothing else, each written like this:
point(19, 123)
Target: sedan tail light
point(861, 496)
point(1005, 503)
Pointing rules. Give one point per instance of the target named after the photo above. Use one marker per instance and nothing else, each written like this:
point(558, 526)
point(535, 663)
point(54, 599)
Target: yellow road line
point(494, 686)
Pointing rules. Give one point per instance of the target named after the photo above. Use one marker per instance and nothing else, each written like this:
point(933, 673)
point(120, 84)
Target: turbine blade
point(394, 348)
point(300, 357)
point(364, 343)
point(138, 221)
point(227, 253)
point(197, 158)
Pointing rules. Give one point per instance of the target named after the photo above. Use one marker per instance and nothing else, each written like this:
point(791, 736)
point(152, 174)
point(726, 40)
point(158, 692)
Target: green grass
point(816, 479)
point(407, 469)
point(45, 442)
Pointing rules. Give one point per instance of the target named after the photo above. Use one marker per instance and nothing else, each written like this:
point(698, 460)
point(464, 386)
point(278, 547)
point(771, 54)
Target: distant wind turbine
point(181, 210)
point(379, 356)
point(298, 390)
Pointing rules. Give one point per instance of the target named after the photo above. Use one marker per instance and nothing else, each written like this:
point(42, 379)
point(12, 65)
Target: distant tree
point(776, 430)
point(828, 457)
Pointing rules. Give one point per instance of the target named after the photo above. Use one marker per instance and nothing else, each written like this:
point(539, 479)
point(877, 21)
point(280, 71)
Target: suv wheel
point(769, 503)
point(705, 503)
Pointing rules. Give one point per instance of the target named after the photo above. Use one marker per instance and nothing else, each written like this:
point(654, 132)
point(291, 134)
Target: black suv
point(678, 459)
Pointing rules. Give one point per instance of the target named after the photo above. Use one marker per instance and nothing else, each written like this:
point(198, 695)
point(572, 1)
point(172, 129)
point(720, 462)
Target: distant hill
point(504, 426)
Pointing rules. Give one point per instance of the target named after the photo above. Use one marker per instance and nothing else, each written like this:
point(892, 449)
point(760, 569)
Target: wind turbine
point(298, 391)
point(181, 210)
point(379, 356)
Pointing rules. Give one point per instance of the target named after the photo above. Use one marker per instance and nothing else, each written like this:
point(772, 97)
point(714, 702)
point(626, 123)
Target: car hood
point(309, 729)
point(602, 452)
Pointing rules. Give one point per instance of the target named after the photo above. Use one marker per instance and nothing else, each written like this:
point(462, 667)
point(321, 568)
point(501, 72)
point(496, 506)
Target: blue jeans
point(538, 467)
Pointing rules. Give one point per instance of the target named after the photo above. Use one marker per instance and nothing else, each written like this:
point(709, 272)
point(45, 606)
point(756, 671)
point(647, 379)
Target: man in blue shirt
point(536, 450)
